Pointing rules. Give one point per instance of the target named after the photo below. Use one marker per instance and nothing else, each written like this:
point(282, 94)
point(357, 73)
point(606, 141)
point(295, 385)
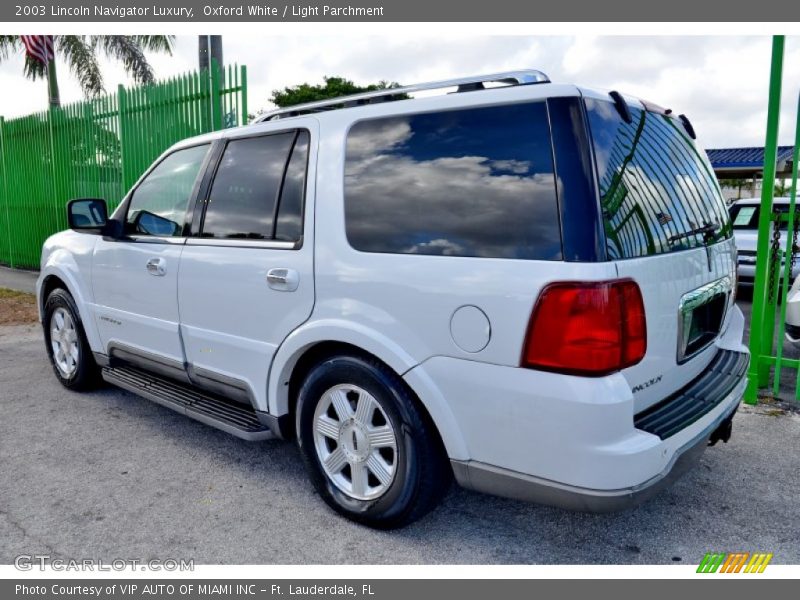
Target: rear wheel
point(370, 452)
point(66, 343)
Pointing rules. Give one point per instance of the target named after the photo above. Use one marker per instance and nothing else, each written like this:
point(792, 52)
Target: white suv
point(524, 285)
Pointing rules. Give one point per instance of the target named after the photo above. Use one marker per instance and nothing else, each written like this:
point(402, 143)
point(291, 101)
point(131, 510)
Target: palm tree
point(81, 54)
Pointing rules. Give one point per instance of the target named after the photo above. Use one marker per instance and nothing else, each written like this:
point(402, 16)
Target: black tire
point(422, 472)
point(86, 374)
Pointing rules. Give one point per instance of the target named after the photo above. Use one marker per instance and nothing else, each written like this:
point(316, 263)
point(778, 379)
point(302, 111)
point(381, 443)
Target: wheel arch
point(54, 276)
point(307, 348)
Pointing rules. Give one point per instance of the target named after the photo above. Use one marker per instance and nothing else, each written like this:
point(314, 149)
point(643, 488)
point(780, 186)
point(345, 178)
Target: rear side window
point(477, 182)
point(257, 180)
point(658, 192)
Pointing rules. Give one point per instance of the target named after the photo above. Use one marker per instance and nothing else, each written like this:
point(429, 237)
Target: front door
point(135, 278)
point(246, 281)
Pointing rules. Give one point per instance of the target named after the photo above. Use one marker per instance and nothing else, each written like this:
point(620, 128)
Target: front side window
point(477, 182)
point(658, 192)
point(246, 188)
point(158, 205)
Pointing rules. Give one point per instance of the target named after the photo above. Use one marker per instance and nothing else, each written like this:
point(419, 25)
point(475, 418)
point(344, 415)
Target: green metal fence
point(771, 286)
point(99, 148)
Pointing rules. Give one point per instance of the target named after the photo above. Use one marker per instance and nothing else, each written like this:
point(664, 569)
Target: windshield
point(658, 192)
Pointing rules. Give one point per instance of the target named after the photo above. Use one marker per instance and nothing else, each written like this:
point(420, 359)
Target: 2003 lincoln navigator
point(523, 285)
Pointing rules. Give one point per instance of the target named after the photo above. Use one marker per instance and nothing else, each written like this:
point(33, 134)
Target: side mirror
point(87, 214)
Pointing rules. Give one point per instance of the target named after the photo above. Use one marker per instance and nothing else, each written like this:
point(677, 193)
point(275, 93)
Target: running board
point(219, 412)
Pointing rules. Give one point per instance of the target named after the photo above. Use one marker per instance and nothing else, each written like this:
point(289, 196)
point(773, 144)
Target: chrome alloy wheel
point(64, 342)
point(355, 442)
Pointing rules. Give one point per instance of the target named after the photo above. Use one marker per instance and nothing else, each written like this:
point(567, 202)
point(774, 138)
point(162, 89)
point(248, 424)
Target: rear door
point(246, 278)
point(668, 229)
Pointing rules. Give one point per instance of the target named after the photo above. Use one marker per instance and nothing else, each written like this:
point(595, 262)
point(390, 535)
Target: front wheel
point(66, 343)
point(371, 454)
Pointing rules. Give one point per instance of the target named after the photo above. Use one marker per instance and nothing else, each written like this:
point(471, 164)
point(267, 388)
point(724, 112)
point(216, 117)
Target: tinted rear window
point(477, 182)
point(656, 187)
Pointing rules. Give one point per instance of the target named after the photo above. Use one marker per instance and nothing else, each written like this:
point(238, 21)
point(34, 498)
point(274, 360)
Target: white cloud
point(720, 82)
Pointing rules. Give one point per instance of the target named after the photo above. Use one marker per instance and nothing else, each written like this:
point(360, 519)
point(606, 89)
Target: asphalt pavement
point(109, 475)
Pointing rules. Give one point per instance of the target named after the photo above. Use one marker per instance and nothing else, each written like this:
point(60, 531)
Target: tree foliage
point(332, 88)
point(81, 54)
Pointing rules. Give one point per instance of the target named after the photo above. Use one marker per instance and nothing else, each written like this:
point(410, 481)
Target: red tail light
point(588, 329)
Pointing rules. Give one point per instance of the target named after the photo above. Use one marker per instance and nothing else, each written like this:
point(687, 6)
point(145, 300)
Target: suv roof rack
point(464, 84)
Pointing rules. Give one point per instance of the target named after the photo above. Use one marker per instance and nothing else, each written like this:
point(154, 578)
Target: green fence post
point(53, 173)
point(243, 93)
point(788, 259)
point(5, 191)
point(762, 321)
point(122, 108)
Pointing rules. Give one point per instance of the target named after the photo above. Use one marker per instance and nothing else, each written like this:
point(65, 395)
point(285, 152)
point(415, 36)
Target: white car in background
point(793, 313)
point(744, 216)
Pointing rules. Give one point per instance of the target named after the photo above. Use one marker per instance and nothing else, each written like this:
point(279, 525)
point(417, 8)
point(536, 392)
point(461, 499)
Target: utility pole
point(209, 48)
point(209, 52)
point(202, 51)
point(216, 49)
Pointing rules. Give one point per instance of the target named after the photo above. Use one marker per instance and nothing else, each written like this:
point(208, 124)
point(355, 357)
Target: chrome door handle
point(157, 267)
point(283, 280)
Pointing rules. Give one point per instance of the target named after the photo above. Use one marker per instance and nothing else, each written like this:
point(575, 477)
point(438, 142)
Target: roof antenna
point(621, 106)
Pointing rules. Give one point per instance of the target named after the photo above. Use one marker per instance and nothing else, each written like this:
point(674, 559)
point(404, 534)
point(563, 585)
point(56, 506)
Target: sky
point(720, 82)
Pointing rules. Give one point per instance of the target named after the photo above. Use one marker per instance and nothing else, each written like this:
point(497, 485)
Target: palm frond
point(155, 43)
point(79, 54)
point(127, 50)
point(9, 44)
point(34, 69)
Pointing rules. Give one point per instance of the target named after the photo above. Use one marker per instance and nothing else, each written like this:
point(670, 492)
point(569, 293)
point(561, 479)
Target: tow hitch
point(723, 432)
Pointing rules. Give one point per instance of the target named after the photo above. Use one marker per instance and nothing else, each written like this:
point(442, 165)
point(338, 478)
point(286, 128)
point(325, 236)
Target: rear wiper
point(708, 231)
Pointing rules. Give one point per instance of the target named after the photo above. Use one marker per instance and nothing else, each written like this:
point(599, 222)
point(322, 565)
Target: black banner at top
point(494, 11)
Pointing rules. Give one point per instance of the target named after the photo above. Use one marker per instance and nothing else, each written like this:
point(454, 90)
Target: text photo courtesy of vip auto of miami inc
point(382, 297)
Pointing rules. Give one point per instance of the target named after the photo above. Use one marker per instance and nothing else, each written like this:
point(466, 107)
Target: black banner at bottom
point(389, 589)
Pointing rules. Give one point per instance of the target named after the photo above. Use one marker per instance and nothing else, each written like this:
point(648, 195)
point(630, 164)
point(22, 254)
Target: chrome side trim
point(273, 244)
point(153, 239)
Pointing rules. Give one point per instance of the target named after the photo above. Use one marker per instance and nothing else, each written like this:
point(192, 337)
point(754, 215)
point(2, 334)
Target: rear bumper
point(574, 442)
point(503, 482)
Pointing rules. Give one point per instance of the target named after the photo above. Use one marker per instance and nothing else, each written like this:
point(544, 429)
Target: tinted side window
point(477, 182)
point(242, 199)
point(289, 227)
point(158, 204)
